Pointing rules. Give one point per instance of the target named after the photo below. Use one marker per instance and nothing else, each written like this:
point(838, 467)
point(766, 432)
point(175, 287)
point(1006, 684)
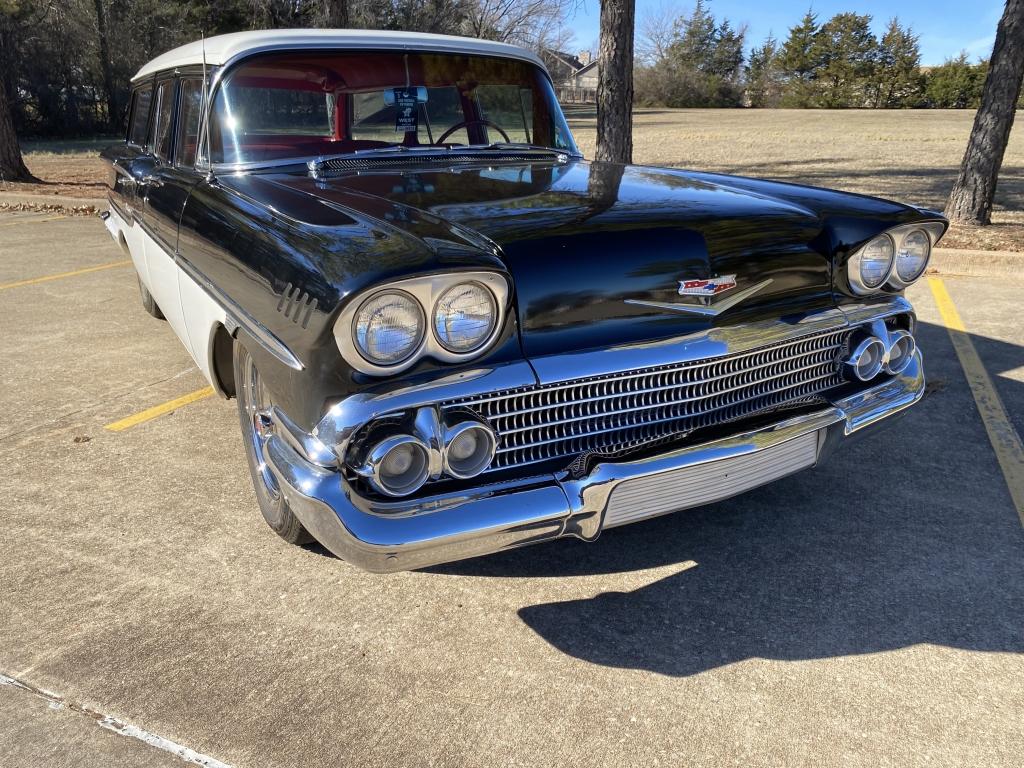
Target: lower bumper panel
point(697, 484)
point(494, 518)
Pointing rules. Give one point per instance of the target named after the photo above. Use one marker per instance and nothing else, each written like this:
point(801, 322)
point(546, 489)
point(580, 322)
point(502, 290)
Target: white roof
point(223, 48)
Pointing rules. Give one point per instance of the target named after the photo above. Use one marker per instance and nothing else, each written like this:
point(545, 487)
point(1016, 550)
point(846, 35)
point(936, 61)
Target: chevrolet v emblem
point(712, 287)
point(706, 289)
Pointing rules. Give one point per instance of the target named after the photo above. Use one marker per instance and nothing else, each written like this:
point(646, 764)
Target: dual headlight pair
point(452, 318)
point(895, 258)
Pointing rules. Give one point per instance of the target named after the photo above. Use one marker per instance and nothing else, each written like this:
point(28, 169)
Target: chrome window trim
point(426, 290)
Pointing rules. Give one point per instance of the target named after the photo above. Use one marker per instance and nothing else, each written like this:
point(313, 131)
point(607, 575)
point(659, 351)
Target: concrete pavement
point(867, 612)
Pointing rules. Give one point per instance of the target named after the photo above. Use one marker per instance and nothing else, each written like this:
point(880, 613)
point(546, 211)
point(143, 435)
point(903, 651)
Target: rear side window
point(190, 105)
point(161, 145)
point(140, 116)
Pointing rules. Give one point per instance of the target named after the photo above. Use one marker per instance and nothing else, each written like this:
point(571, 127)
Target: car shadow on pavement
point(907, 537)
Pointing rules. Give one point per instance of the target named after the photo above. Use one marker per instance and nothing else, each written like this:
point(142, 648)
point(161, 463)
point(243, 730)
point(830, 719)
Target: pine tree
point(847, 54)
point(898, 79)
point(798, 63)
point(695, 47)
point(764, 75)
point(956, 84)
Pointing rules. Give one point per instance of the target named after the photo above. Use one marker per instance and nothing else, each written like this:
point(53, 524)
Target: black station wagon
point(449, 334)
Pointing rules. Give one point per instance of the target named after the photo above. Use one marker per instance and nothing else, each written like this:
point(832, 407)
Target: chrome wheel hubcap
point(257, 406)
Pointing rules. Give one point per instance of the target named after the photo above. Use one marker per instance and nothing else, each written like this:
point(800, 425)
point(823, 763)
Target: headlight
point(871, 265)
point(388, 327)
point(464, 317)
point(912, 256)
point(450, 317)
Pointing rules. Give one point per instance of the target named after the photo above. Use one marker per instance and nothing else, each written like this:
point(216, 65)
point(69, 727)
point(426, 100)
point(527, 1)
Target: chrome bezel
point(933, 230)
point(426, 291)
point(370, 468)
point(853, 361)
point(437, 303)
point(376, 294)
point(453, 432)
point(853, 267)
point(895, 338)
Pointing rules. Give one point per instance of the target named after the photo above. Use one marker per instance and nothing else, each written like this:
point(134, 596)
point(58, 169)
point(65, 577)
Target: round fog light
point(901, 352)
point(397, 466)
point(469, 449)
point(865, 362)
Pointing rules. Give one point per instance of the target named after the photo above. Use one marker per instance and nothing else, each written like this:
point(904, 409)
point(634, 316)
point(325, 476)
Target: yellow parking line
point(30, 221)
point(58, 276)
point(1004, 438)
point(158, 410)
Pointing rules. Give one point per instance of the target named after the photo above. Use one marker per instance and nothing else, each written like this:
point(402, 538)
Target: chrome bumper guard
point(501, 516)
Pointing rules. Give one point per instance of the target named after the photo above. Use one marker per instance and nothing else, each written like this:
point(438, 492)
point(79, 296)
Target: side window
point(140, 116)
point(190, 105)
point(161, 144)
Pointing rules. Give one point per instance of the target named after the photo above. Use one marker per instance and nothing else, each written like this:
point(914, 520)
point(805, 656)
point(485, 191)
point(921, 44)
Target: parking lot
point(866, 612)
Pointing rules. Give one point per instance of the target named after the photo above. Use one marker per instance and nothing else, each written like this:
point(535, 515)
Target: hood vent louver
point(296, 305)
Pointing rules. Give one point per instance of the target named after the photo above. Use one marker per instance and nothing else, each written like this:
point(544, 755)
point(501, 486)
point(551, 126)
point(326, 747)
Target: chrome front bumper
point(501, 516)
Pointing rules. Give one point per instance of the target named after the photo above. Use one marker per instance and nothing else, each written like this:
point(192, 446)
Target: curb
point(949, 261)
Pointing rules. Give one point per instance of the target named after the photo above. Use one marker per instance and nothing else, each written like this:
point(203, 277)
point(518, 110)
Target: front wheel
point(254, 414)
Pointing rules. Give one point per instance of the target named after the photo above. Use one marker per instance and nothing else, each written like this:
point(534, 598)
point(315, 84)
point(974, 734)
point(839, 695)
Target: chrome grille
point(616, 412)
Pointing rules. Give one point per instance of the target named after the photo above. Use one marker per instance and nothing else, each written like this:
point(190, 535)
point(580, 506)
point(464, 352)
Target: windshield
point(305, 105)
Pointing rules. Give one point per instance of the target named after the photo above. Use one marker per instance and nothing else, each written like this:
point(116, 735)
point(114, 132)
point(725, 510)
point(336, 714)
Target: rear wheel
point(148, 302)
point(254, 414)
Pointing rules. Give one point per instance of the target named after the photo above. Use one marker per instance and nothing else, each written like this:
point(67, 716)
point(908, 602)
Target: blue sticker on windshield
point(406, 113)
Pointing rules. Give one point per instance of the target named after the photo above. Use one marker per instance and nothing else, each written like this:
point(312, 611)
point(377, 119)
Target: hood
point(598, 252)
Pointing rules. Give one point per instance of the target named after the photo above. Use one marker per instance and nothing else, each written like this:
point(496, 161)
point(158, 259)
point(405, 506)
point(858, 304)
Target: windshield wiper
point(506, 145)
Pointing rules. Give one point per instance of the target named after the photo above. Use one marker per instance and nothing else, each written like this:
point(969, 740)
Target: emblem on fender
point(712, 287)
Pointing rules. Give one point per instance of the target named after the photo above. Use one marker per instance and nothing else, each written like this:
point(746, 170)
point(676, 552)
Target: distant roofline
point(223, 49)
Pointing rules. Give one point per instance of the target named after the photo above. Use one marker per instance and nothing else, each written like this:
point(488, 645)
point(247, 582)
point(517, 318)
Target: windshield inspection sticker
point(406, 113)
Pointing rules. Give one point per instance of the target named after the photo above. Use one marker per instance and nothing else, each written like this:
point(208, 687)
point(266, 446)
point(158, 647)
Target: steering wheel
point(466, 124)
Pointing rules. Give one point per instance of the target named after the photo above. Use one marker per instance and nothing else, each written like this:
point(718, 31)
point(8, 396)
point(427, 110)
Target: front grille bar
point(613, 412)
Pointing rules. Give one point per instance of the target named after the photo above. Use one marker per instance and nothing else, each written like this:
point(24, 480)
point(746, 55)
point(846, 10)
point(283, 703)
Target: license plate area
point(643, 497)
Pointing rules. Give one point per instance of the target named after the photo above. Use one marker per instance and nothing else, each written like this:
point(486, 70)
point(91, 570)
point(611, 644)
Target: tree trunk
point(106, 68)
point(970, 202)
point(336, 14)
point(615, 82)
point(12, 167)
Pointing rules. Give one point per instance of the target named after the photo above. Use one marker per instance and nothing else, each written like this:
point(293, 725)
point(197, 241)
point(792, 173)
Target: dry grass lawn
point(909, 155)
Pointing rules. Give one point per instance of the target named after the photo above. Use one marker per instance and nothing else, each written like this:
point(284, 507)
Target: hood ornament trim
point(706, 310)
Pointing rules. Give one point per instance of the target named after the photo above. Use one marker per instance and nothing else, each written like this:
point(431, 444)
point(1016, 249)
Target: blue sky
point(945, 27)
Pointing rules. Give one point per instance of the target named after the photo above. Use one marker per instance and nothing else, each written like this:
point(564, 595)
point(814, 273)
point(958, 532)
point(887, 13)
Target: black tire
point(148, 302)
point(253, 404)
